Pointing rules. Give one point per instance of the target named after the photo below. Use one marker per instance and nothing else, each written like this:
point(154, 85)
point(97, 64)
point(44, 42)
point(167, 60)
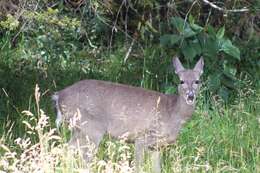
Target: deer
point(147, 118)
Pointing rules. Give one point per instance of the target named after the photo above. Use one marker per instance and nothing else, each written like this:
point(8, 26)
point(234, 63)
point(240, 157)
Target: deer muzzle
point(190, 97)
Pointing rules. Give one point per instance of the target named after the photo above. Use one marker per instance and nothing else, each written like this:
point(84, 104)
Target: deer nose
point(190, 95)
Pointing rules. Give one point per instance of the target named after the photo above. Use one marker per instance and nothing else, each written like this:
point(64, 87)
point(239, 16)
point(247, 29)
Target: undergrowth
point(219, 138)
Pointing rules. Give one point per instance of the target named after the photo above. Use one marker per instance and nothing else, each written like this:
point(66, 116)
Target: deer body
point(148, 118)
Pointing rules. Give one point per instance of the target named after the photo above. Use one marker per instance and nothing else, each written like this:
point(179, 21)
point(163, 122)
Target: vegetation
point(56, 43)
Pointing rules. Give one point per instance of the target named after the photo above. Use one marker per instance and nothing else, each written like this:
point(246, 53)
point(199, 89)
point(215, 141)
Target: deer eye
point(197, 81)
point(182, 82)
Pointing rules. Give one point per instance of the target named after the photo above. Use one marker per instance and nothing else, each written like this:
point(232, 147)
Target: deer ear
point(177, 65)
point(199, 66)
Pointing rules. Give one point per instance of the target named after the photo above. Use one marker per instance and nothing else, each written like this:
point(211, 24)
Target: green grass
point(218, 138)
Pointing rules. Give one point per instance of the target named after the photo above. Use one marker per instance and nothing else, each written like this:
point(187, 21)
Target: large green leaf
point(229, 69)
point(194, 26)
point(221, 32)
point(209, 45)
point(196, 46)
point(178, 23)
point(227, 47)
point(211, 31)
point(188, 51)
point(188, 32)
point(183, 27)
point(169, 39)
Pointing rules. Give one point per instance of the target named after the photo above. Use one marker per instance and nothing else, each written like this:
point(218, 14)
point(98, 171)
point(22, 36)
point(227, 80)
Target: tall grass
point(219, 138)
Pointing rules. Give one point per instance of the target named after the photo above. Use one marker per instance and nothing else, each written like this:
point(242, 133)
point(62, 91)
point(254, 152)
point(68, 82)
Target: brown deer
point(148, 118)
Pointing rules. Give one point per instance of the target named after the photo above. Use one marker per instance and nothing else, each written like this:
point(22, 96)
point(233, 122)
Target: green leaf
point(169, 39)
point(196, 27)
point(211, 31)
point(188, 32)
point(229, 70)
point(209, 45)
point(182, 27)
point(227, 47)
point(196, 46)
point(178, 23)
point(221, 32)
point(164, 40)
point(191, 19)
point(191, 48)
point(174, 39)
point(188, 51)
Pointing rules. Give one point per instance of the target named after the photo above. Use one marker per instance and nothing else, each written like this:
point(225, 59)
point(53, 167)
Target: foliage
point(55, 43)
point(10, 23)
point(194, 40)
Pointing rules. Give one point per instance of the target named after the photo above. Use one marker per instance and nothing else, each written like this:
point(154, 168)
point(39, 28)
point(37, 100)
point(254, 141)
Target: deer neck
point(181, 109)
point(179, 112)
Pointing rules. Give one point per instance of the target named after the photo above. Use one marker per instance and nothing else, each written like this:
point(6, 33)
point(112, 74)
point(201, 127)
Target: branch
point(225, 10)
point(129, 51)
point(115, 22)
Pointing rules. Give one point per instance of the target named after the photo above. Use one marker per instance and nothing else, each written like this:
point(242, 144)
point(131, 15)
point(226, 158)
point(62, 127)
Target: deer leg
point(152, 141)
point(86, 143)
point(139, 154)
point(156, 164)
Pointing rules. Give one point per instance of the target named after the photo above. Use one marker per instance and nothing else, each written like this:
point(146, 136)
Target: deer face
point(189, 80)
